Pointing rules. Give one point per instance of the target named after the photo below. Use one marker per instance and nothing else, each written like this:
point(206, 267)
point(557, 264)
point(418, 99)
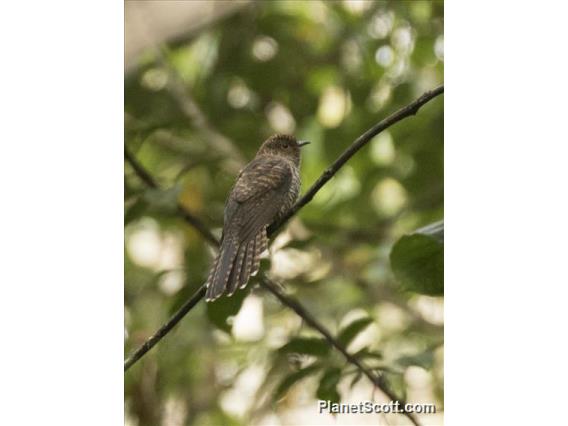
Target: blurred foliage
point(198, 108)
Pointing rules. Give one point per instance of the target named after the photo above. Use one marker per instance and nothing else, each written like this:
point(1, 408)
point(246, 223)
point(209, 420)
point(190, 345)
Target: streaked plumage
point(265, 189)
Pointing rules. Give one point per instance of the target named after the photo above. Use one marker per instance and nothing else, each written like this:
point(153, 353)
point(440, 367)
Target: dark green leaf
point(293, 378)
point(347, 335)
point(357, 377)
point(300, 244)
point(136, 210)
point(220, 310)
point(307, 346)
point(327, 389)
point(264, 264)
point(417, 261)
point(395, 381)
point(180, 297)
point(424, 359)
point(365, 353)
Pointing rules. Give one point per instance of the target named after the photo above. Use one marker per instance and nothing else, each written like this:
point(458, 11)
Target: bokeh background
point(205, 84)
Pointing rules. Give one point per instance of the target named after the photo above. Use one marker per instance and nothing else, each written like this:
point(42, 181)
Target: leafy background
point(196, 110)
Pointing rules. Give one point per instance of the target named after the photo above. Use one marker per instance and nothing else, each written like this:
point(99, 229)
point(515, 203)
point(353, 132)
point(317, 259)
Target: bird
point(265, 189)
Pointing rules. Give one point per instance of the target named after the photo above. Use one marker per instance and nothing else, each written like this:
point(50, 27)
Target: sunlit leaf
point(349, 333)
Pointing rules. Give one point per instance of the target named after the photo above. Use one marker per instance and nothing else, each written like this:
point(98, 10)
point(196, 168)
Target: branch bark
point(378, 381)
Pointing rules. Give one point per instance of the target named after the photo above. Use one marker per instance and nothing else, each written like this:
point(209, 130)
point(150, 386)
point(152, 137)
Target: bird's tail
point(235, 264)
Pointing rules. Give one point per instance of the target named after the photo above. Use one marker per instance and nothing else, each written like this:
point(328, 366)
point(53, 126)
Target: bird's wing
point(257, 197)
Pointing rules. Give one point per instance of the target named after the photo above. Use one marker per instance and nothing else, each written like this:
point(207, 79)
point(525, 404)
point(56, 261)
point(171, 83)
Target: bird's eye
point(285, 145)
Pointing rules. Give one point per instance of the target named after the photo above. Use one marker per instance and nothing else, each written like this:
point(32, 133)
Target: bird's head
point(282, 145)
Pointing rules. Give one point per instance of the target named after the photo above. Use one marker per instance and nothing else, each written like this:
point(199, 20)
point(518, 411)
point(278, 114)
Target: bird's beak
point(302, 143)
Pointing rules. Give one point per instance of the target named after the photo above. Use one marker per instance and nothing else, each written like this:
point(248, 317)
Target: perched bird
point(265, 189)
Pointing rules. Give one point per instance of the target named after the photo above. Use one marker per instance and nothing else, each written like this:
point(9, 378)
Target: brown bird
point(265, 189)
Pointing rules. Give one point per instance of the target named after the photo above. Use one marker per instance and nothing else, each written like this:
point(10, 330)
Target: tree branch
point(140, 171)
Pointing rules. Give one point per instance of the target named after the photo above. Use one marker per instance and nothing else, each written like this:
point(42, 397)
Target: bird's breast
point(293, 191)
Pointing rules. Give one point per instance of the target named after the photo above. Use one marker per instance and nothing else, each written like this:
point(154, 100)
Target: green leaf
point(424, 359)
point(300, 244)
point(417, 260)
point(165, 200)
point(357, 377)
point(365, 353)
point(349, 333)
point(293, 378)
point(219, 417)
point(135, 211)
point(395, 381)
point(307, 346)
point(327, 389)
point(220, 310)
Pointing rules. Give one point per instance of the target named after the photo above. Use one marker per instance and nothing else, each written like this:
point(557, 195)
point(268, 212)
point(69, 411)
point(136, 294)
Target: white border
point(61, 151)
point(506, 212)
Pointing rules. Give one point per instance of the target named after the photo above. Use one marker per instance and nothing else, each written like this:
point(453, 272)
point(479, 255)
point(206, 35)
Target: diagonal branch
point(140, 171)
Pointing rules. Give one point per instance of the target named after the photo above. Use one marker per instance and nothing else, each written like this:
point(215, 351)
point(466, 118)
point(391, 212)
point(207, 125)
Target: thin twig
point(140, 171)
